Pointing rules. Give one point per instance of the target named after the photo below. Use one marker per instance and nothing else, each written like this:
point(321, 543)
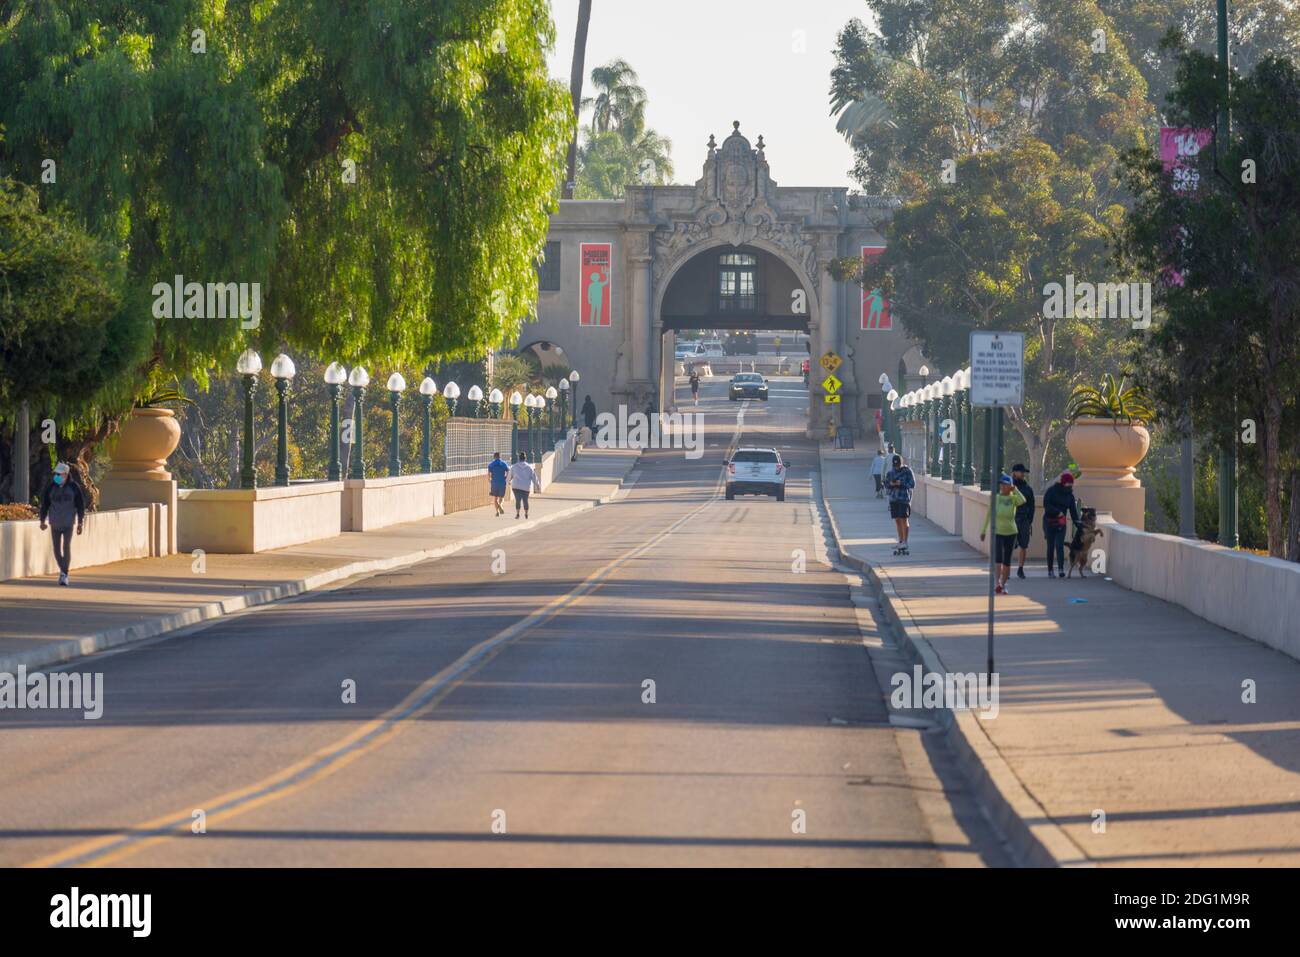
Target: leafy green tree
point(382, 169)
point(1231, 345)
point(63, 336)
point(978, 255)
point(943, 79)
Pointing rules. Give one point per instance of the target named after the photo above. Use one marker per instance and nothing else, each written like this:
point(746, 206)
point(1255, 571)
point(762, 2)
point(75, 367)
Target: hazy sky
point(705, 63)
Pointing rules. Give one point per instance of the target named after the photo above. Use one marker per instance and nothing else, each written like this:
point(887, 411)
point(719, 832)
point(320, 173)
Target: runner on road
point(695, 386)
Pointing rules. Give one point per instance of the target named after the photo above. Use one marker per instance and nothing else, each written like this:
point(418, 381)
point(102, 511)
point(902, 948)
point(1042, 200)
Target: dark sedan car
point(747, 385)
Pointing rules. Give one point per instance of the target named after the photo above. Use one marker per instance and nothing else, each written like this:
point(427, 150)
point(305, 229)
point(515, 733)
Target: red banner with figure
point(875, 307)
point(595, 285)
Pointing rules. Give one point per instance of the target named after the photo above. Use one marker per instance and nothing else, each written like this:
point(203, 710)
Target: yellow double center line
point(370, 736)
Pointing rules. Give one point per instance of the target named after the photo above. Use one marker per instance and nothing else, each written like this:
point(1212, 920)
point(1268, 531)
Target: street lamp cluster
point(944, 409)
point(249, 365)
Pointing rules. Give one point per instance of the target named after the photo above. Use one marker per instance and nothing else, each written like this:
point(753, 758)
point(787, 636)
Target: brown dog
point(1081, 546)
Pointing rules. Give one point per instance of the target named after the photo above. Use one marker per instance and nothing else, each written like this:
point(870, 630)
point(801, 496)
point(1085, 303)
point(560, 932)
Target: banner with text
point(875, 307)
point(596, 302)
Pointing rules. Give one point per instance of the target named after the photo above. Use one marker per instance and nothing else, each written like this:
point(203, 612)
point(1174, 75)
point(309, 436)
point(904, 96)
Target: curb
point(1034, 838)
point(73, 648)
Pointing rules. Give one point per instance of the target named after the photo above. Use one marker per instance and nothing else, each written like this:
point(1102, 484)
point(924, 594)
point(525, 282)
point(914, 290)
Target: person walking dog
point(63, 504)
point(522, 481)
point(1058, 502)
point(1005, 503)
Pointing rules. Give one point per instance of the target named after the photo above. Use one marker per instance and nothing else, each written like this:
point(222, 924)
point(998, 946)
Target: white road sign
point(997, 369)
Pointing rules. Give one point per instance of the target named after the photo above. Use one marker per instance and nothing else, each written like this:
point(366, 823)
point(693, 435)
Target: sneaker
point(998, 589)
point(1020, 572)
point(1060, 574)
point(63, 578)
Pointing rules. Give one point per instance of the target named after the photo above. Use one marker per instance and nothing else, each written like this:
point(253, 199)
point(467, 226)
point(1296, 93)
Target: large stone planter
point(147, 439)
point(1108, 452)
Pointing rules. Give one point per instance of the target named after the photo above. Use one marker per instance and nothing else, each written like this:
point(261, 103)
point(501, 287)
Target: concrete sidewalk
point(43, 624)
point(1110, 702)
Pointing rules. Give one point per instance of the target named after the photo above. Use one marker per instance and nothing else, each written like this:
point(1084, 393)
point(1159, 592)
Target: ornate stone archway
point(654, 231)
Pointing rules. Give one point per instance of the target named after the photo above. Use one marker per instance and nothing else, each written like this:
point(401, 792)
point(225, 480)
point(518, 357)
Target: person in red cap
point(1058, 502)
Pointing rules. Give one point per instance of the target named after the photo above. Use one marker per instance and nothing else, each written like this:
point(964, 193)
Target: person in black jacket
point(61, 503)
point(1024, 515)
point(1058, 502)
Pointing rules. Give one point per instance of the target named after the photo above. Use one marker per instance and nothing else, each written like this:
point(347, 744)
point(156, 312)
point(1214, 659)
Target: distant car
point(756, 471)
point(747, 385)
point(690, 350)
point(713, 348)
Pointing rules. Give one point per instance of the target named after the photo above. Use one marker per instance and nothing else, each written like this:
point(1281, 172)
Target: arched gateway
point(621, 276)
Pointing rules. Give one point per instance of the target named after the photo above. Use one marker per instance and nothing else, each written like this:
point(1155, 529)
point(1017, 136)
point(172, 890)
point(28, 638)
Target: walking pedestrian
point(497, 473)
point(522, 481)
point(900, 481)
point(695, 386)
point(1024, 514)
point(879, 465)
point(64, 505)
point(589, 414)
point(1005, 535)
point(1058, 502)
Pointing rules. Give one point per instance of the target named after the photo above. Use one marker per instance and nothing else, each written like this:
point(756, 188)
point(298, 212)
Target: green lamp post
point(891, 431)
point(564, 404)
point(358, 378)
point(516, 402)
point(574, 379)
point(335, 377)
point(451, 392)
point(945, 414)
point(552, 394)
point(283, 371)
point(396, 386)
point(475, 395)
point(248, 365)
point(428, 389)
point(495, 398)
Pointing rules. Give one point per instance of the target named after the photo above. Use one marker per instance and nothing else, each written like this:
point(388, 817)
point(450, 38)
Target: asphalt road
point(503, 717)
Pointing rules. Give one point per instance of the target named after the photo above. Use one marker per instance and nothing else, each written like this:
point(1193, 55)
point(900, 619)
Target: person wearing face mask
point(63, 505)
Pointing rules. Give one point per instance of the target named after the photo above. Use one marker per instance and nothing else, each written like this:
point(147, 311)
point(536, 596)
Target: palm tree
point(575, 90)
point(620, 104)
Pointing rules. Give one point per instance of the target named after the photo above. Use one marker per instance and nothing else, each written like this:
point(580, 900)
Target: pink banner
point(875, 307)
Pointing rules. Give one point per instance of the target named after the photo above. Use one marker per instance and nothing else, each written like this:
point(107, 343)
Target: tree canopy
point(383, 170)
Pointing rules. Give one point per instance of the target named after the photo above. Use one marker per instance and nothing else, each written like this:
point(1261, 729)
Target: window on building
point(737, 283)
point(548, 269)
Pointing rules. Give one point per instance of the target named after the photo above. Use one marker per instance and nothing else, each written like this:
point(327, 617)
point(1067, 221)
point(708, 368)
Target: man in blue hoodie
point(899, 482)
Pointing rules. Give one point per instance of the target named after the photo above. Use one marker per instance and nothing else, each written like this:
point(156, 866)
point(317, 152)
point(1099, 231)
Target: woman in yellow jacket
point(1005, 504)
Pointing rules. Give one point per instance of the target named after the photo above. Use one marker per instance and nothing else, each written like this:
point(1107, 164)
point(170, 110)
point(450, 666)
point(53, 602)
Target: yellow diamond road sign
point(830, 362)
point(831, 385)
point(832, 399)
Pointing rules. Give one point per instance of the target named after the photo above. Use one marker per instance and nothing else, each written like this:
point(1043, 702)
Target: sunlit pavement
point(670, 679)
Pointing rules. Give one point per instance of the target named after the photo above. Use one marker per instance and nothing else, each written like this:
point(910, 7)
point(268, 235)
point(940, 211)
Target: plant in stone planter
point(1107, 434)
point(1111, 401)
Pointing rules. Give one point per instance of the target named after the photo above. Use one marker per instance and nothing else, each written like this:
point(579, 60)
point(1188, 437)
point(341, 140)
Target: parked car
point(747, 385)
point(756, 471)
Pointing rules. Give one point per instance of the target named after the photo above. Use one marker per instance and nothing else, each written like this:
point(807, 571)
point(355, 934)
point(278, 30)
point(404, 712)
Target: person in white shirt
point(878, 469)
point(522, 481)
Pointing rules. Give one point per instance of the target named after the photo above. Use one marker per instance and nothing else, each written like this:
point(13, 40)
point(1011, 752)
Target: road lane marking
point(368, 737)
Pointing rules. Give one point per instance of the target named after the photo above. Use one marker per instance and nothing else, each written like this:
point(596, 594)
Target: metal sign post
point(997, 367)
